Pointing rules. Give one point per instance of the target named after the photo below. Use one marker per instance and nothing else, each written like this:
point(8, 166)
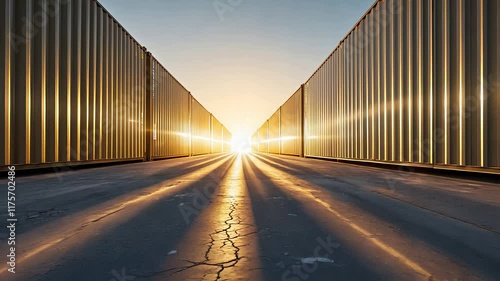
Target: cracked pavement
point(254, 217)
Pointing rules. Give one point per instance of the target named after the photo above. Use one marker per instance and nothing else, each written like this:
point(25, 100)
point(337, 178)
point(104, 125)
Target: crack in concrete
point(230, 233)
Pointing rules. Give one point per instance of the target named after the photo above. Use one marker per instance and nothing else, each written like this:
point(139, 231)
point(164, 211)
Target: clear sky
point(240, 58)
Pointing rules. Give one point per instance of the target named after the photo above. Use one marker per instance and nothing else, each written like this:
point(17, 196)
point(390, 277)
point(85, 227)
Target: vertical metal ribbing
point(367, 88)
point(393, 96)
point(76, 79)
point(120, 95)
point(56, 49)
point(149, 109)
point(134, 102)
point(139, 151)
point(360, 50)
point(8, 20)
point(112, 89)
point(328, 104)
point(103, 63)
point(164, 123)
point(373, 84)
point(306, 128)
point(126, 95)
point(348, 96)
point(85, 108)
point(324, 120)
point(383, 51)
point(279, 133)
point(337, 107)
point(99, 82)
point(94, 49)
point(355, 112)
point(378, 87)
point(190, 105)
point(66, 28)
point(302, 121)
point(410, 81)
point(483, 77)
point(131, 101)
point(107, 58)
point(431, 83)
point(43, 84)
point(141, 129)
point(115, 113)
point(360, 96)
point(155, 106)
point(343, 103)
point(91, 75)
point(446, 39)
point(28, 73)
point(461, 64)
point(401, 85)
point(137, 74)
point(154, 101)
point(212, 128)
point(343, 97)
point(158, 104)
point(493, 101)
point(420, 56)
point(377, 14)
point(159, 96)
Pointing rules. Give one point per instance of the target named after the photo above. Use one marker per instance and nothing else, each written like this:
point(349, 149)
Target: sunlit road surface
point(253, 217)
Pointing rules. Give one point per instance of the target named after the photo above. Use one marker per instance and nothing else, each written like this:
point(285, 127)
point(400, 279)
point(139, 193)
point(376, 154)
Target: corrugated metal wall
point(217, 136)
point(263, 136)
point(291, 125)
point(228, 138)
point(274, 135)
point(75, 84)
point(200, 129)
point(171, 115)
point(255, 141)
point(414, 82)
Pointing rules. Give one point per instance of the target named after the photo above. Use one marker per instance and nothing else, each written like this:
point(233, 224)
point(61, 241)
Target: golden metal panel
point(290, 125)
point(403, 86)
point(6, 25)
point(275, 133)
point(80, 88)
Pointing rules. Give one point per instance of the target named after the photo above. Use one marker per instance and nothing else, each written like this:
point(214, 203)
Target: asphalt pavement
point(252, 217)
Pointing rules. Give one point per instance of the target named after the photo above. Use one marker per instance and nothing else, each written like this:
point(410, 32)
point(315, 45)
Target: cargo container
point(73, 84)
point(217, 136)
point(78, 88)
point(291, 125)
point(228, 139)
point(274, 136)
point(171, 115)
point(263, 136)
point(255, 142)
point(415, 82)
point(201, 120)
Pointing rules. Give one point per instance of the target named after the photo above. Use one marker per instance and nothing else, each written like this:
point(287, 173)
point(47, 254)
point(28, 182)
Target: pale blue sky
point(242, 61)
